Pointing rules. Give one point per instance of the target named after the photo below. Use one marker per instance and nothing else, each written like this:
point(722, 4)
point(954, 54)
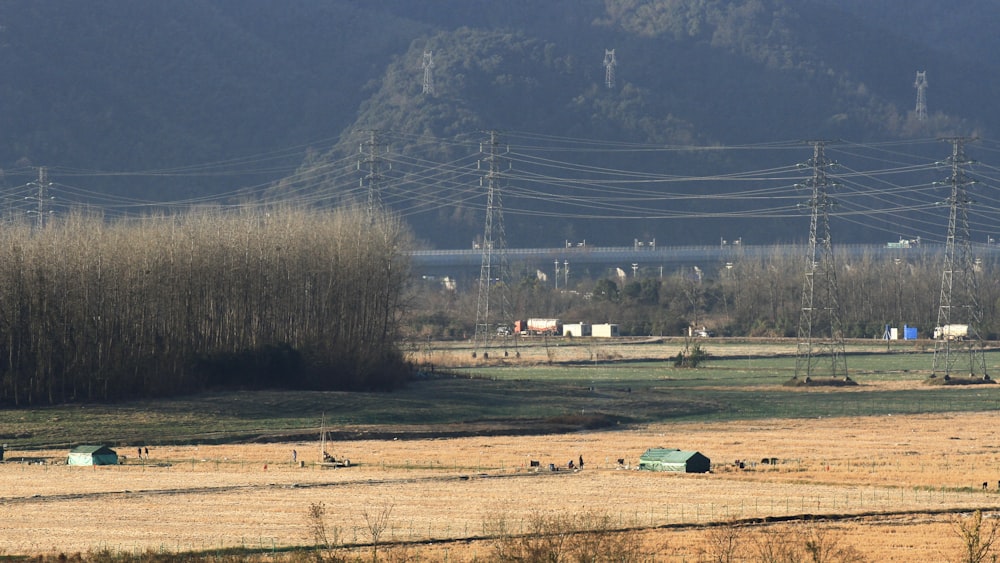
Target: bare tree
point(977, 538)
point(725, 544)
point(96, 310)
point(377, 521)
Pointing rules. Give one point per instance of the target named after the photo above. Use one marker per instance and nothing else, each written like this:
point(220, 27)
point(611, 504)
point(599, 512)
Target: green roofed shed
point(669, 459)
point(92, 455)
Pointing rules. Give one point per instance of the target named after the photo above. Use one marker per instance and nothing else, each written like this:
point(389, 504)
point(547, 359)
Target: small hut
point(669, 459)
point(92, 455)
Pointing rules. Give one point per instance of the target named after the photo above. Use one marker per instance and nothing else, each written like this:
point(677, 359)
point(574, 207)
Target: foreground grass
point(726, 388)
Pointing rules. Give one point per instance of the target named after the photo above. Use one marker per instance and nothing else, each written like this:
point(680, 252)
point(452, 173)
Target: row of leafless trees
point(754, 296)
point(95, 310)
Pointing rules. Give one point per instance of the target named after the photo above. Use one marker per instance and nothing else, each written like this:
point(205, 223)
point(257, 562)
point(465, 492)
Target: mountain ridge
point(143, 86)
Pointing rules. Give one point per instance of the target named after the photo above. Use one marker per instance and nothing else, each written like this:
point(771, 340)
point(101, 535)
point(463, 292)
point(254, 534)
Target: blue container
point(909, 332)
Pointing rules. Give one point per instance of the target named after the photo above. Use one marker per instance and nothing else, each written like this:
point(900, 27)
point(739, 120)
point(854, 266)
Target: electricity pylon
point(609, 67)
point(41, 186)
point(428, 66)
point(371, 163)
point(820, 332)
point(958, 305)
point(493, 322)
point(921, 85)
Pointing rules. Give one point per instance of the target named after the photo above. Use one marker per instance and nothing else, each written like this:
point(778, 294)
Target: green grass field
point(725, 388)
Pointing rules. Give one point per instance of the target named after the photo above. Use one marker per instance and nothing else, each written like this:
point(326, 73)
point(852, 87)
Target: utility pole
point(921, 85)
point(820, 332)
point(494, 261)
point(428, 66)
point(371, 163)
point(609, 68)
point(959, 307)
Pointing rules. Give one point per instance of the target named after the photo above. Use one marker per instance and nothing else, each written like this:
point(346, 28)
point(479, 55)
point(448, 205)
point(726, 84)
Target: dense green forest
point(286, 298)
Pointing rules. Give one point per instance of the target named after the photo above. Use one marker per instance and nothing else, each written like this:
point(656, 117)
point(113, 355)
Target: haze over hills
point(229, 100)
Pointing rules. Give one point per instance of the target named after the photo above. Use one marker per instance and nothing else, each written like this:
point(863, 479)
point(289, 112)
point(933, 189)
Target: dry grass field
point(907, 470)
point(539, 350)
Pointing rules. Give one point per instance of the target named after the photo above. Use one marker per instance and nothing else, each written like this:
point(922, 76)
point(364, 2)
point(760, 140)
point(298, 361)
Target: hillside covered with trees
point(136, 104)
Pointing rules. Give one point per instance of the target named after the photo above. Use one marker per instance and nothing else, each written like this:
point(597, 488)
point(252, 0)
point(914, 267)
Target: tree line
point(284, 297)
point(751, 296)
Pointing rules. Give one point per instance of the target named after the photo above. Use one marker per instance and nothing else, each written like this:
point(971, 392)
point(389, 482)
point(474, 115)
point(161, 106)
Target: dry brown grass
point(536, 350)
point(211, 497)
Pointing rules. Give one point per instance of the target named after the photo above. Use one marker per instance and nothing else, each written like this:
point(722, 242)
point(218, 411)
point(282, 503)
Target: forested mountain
point(284, 94)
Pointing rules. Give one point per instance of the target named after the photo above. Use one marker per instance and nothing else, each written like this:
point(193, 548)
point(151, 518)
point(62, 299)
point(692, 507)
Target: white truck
point(538, 326)
point(951, 332)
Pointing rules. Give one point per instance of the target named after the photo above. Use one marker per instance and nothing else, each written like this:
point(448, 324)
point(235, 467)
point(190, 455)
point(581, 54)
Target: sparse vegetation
point(582, 536)
point(691, 357)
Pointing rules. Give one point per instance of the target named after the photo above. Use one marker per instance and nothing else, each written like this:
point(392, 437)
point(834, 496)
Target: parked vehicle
point(538, 326)
point(951, 332)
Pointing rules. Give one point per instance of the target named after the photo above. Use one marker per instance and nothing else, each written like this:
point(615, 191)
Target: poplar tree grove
point(92, 310)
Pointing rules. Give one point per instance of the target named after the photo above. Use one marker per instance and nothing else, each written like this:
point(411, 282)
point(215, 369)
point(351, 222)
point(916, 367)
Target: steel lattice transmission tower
point(921, 85)
point(959, 302)
point(820, 333)
point(609, 67)
point(42, 186)
point(371, 163)
point(493, 315)
point(428, 66)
